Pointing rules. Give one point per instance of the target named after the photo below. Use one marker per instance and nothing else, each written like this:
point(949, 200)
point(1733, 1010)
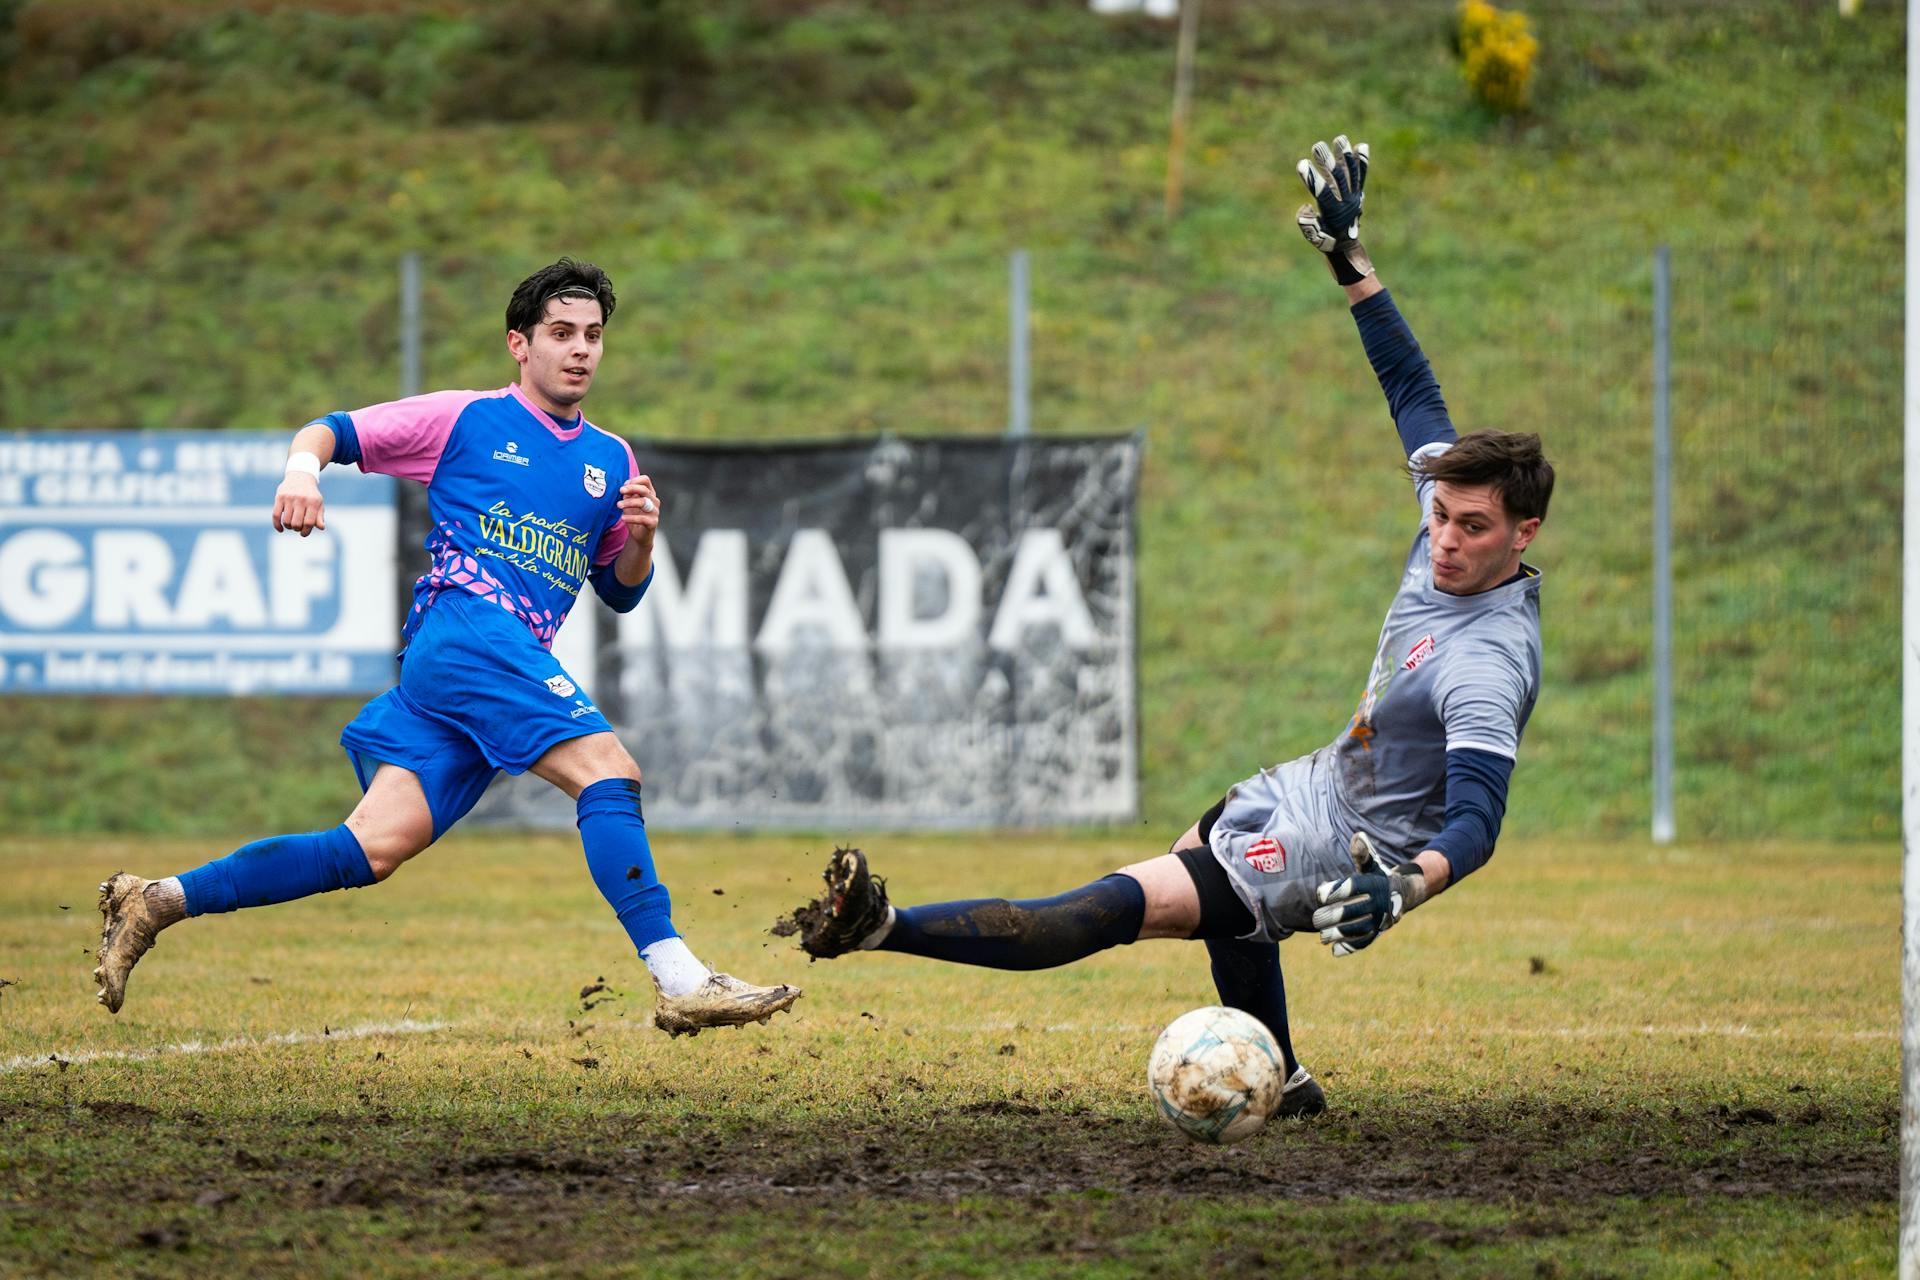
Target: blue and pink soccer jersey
point(523, 506)
point(525, 512)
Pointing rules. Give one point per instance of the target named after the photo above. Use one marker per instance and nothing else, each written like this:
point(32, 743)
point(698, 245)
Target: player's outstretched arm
point(1336, 178)
point(297, 504)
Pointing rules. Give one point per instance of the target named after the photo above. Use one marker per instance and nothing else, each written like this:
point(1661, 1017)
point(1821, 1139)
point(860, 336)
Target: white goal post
point(1910, 707)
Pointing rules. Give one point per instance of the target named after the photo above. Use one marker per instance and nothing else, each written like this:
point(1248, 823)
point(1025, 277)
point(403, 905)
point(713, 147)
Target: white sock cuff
point(675, 969)
point(167, 899)
point(879, 935)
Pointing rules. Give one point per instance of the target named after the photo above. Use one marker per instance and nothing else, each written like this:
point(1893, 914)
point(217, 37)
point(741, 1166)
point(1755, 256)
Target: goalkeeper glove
point(1356, 910)
point(1337, 180)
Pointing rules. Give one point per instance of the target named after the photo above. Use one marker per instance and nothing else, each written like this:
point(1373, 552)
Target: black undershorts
point(1222, 914)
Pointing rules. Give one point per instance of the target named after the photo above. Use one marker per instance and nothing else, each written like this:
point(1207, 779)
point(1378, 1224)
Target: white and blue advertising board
point(146, 562)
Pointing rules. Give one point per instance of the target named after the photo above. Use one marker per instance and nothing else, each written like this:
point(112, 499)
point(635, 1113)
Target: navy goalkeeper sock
point(614, 832)
point(1034, 933)
point(1247, 976)
point(278, 869)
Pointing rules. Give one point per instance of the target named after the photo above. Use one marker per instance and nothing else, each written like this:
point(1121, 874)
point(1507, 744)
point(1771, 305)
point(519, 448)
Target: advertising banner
point(146, 562)
point(893, 634)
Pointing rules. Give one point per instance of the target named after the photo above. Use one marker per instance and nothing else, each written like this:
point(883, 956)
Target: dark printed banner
point(907, 633)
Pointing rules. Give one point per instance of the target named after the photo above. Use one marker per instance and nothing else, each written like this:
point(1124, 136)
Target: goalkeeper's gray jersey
point(1450, 672)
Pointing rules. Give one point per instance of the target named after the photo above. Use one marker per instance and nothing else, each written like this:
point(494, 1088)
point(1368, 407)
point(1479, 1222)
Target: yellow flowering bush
point(1497, 51)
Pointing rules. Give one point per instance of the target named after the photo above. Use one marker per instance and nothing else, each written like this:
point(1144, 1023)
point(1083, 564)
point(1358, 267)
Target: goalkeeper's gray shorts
point(1278, 839)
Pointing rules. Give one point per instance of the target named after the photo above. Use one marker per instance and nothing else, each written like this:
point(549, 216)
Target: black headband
point(573, 291)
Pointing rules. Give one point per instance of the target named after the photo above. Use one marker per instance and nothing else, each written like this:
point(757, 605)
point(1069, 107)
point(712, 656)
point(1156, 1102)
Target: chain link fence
point(1269, 503)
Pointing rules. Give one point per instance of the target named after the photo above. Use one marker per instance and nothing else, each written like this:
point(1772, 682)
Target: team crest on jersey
point(1421, 652)
point(596, 481)
point(560, 686)
point(1267, 855)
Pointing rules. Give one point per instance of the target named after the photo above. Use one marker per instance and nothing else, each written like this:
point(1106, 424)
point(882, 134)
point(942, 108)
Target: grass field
point(1594, 1059)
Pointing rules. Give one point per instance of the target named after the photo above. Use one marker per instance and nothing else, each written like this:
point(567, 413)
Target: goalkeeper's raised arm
point(1336, 178)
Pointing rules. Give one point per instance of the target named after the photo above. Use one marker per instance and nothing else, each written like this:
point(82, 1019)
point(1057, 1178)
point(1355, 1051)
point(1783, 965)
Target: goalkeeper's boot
point(851, 916)
point(1301, 1096)
point(127, 934)
point(721, 1001)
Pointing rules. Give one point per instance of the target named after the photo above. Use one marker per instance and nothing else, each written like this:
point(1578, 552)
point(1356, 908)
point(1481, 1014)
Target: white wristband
point(307, 464)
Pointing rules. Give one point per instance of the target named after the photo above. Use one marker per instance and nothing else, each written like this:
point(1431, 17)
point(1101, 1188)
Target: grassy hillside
point(806, 207)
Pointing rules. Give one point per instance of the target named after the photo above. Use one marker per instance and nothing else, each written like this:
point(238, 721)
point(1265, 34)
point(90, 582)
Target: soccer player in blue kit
point(1345, 840)
point(529, 502)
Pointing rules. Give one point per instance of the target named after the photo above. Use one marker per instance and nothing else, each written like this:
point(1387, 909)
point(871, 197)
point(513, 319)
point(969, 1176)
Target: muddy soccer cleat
point(127, 933)
point(851, 915)
point(1301, 1096)
point(721, 1001)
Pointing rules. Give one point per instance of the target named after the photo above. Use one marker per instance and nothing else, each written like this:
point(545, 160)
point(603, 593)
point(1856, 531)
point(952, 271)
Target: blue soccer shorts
point(477, 694)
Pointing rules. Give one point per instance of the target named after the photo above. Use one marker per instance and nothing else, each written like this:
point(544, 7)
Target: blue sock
point(278, 869)
point(1035, 933)
point(614, 831)
point(1247, 976)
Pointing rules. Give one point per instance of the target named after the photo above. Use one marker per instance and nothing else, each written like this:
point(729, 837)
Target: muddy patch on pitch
point(1517, 1154)
point(1550, 1156)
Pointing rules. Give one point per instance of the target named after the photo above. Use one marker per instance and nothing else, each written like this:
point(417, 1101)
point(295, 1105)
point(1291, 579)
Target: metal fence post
point(1019, 384)
point(410, 506)
point(1663, 828)
point(409, 325)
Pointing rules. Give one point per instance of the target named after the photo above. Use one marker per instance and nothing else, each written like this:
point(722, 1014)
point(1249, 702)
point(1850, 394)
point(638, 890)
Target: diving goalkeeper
point(1344, 841)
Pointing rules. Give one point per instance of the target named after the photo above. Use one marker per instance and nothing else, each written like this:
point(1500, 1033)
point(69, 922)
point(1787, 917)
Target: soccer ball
point(1216, 1074)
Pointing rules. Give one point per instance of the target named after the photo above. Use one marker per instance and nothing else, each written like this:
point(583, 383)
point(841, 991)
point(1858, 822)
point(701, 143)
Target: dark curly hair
point(1511, 461)
point(565, 278)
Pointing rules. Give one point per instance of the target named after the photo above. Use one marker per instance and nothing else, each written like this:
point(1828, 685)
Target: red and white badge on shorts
point(1266, 855)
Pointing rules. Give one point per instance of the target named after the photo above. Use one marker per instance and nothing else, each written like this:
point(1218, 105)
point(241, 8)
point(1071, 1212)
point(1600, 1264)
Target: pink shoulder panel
point(405, 438)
